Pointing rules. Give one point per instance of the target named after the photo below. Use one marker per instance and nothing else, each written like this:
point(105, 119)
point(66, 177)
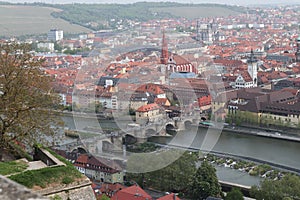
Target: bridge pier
point(195, 121)
point(157, 127)
point(141, 140)
point(180, 125)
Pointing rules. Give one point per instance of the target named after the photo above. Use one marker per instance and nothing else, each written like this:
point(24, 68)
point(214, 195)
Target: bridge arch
point(188, 124)
point(150, 132)
point(80, 150)
point(203, 118)
point(129, 139)
point(170, 128)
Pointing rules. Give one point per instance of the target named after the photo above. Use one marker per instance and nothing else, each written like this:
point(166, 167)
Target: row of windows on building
point(96, 166)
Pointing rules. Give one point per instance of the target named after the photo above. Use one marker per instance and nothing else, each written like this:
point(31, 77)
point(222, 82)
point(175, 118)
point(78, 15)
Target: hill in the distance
point(199, 11)
point(99, 16)
point(16, 20)
point(38, 18)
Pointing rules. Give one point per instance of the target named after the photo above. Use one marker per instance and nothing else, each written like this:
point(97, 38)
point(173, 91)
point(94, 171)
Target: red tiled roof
point(151, 88)
point(291, 90)
point(82, 159)
point(232, 63)
point(134, 192)
point(106, 187)
point(148, 107)
point(264, 79)
point(90, 162)
point(246, 76)
point(160, 101)
point(169, 197)
point(180, 60)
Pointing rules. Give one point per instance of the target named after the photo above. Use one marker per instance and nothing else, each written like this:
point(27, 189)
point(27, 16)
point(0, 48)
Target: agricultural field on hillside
point(16, 20)
point(198, 11)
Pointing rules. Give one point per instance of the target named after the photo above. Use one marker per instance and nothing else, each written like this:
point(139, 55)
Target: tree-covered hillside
point(114, 16)
point(101, 16)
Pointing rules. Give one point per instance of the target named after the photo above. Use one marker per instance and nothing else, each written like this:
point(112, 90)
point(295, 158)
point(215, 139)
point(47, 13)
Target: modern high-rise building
point(206, 33)
point(55, 35)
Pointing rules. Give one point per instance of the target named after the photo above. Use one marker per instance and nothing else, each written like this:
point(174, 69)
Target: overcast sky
point(235, 2)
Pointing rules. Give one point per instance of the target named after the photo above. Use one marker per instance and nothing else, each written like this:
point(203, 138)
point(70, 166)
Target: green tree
point(204, 183)
point(287, 187)
point(98, 107)
point(104, 197)
point(26, 99)
point(234, 194)
point(57, 47)
point(175, 177)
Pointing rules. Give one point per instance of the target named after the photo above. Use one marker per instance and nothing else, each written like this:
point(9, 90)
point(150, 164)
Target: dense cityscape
point(149, 101)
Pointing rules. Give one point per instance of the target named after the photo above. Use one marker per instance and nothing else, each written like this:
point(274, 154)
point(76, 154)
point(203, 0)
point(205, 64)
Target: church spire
point(251, 58)
point(164, 50)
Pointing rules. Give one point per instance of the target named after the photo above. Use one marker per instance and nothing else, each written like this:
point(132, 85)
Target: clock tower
point(252, 68)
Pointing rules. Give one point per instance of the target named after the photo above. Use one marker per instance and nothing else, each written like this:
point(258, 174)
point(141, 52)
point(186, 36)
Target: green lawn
point(16, 20)
point(12, 167)
point(43, 177)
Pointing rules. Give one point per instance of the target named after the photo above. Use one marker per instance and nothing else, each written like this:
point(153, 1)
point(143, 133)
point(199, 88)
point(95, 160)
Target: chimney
point(174, 196)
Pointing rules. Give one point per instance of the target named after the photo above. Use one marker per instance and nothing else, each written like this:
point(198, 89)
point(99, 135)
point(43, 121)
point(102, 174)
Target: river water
point(272, 150)
point(268, 149)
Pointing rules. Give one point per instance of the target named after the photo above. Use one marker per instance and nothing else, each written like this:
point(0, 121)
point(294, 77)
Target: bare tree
point(26, 99)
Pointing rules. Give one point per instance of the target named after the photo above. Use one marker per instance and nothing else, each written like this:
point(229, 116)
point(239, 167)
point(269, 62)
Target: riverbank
point(258, 131)
point(84, 115)
point(249, 167)
point(276, 166)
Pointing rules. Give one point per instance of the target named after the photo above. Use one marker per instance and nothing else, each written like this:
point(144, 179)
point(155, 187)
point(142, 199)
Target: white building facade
point(55, 35)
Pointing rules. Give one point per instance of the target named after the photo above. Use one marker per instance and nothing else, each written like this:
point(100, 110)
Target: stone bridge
point(137, 134)
point(159, 128)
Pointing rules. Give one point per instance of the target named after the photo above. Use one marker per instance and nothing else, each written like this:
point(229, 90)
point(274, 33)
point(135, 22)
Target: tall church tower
point(252, 68)
point(297, 54)
point(164, 51)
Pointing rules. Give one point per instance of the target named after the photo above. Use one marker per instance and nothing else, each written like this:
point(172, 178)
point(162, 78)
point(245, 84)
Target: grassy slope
point(51, 175)
point(12, 167)
point(197, 11)
point(18, 20)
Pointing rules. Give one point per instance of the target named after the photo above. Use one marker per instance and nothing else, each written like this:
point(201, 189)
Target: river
point(268, 149)
point(276, 151)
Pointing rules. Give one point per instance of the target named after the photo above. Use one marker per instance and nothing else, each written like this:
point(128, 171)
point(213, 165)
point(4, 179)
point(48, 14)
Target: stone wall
point(47, 158)
point(82, 193)
point(79, 190)
point(10, 190)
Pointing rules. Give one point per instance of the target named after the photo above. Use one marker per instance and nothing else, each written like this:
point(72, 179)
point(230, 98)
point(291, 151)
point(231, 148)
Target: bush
point(56, 197)
point(254, 172)
point(234, 194)
point(67, 180)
